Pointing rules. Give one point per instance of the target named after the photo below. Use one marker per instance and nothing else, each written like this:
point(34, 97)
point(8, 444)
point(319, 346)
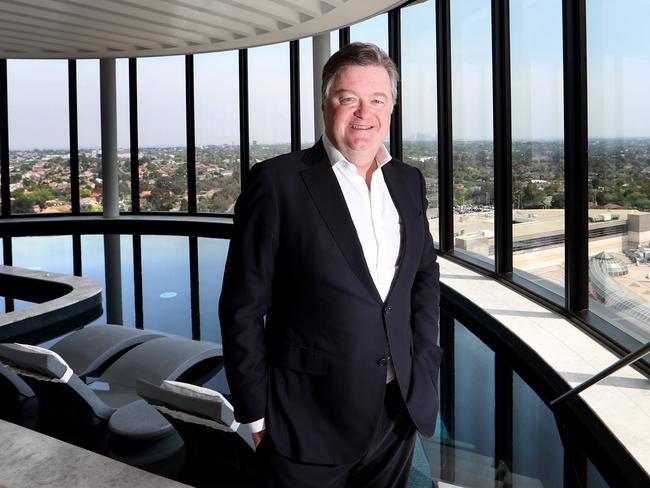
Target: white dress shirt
point(376, 221)
point(373, 213)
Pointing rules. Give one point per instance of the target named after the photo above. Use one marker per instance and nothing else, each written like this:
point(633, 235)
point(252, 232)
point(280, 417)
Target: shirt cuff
point(257, 426)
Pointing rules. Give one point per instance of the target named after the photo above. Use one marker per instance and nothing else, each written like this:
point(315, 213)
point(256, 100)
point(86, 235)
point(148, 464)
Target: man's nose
point(362, 109)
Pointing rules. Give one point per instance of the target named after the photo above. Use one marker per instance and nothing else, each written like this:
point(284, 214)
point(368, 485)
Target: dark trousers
point(386, 464)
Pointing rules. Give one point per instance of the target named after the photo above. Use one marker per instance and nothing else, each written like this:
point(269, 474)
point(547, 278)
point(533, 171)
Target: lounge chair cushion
point(35, 361)
point(190, 403)
point(193, 391)
point(139, 421)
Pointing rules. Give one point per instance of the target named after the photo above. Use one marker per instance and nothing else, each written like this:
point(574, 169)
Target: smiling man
point(329, 306)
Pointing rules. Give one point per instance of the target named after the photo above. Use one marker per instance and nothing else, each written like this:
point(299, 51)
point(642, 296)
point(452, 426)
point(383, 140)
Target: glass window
point(166, 284)
point(39, 136)
point(537, 141)
point(51, 253)
point(537, 451)
point(269, 101)
point(334, 41)
point(93, 266)
point(619, 163)
point(161, 134)
point(594, 478)
point(123, 132)
point(474, 406)
point(473, 148)
point(212, 263)
point(418, 99)
point(373, 30)
point(90, 139)
point(307, 93)
point(216, 109)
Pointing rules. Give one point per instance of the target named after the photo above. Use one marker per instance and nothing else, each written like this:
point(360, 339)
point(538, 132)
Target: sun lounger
point(206, 421)
point(109, 404)
point(153, 360)
point(19, 403)
point(57, 387)
point(65, 395)
point(89, 350)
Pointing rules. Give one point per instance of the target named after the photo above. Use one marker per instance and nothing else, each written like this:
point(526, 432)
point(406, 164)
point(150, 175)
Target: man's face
point(357, 111)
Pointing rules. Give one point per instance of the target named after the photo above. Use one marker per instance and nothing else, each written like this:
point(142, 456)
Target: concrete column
point(320, 54)
point(111, 194)
point(113, 276)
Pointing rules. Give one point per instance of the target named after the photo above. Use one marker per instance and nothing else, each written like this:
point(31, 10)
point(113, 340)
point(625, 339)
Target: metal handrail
point(624, 361)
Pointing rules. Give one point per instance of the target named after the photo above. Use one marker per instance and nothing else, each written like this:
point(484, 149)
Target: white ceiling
point(135, 28)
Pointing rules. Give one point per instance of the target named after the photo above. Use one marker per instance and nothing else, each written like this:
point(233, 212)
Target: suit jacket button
point(382, 361)
point(387, 310)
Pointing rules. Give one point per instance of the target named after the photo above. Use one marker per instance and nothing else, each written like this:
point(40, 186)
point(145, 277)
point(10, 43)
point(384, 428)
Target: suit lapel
point(328, 197)
point(399, 192)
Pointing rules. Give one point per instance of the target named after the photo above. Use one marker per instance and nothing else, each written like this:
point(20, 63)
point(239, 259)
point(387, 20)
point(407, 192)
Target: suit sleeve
point(246, 294)
point(425, 300)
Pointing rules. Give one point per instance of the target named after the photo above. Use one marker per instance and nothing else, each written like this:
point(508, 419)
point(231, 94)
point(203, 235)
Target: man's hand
point(257, 437)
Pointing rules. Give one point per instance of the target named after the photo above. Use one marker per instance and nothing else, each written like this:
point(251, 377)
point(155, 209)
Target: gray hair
point(358, 54)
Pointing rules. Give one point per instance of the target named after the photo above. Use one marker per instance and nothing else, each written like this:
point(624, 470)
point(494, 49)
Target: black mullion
point(294, 83)
point(244, 139)
point(447, 397)
point(191, 134)
point(575, 459)
point(77, 268)
point(344, 36)
point(7, 260)
point(502, 136)
point(576, 161)
point(137, 281)
point(195, 303)
point(74, 137)
point(445, 137)
point(5, 191)
point(395, 52)
point(503, 422)
point(133, 132)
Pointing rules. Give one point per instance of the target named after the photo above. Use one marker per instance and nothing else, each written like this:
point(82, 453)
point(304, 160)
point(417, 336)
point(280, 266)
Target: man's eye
point(378, 101)
point(347, 100)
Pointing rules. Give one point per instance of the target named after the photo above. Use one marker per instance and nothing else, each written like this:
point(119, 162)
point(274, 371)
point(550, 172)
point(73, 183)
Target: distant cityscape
point(619, 176)
point(618, 183)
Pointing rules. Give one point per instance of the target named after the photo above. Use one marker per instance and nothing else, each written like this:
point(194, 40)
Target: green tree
point(532, 197)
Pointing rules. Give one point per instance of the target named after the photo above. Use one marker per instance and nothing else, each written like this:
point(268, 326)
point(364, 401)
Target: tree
point(557, 201)
point(22, 205)
point(532, 197)
point(161, 200)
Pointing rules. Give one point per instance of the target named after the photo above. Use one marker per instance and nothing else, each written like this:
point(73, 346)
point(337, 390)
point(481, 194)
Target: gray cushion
point(33, 359)
point(139, 420)
point(190, 399)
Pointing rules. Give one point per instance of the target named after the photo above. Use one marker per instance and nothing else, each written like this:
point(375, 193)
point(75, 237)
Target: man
point(329, 307)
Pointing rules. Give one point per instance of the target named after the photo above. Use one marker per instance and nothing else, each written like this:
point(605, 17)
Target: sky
point(618, 73)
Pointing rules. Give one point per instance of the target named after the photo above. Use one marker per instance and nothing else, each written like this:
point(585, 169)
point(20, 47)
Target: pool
point(494, 428)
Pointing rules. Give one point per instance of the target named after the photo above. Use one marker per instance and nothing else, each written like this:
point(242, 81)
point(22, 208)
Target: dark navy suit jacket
point(304, 328)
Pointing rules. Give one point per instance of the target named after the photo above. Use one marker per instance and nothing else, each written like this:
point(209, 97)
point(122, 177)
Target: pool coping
point(61, 301)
